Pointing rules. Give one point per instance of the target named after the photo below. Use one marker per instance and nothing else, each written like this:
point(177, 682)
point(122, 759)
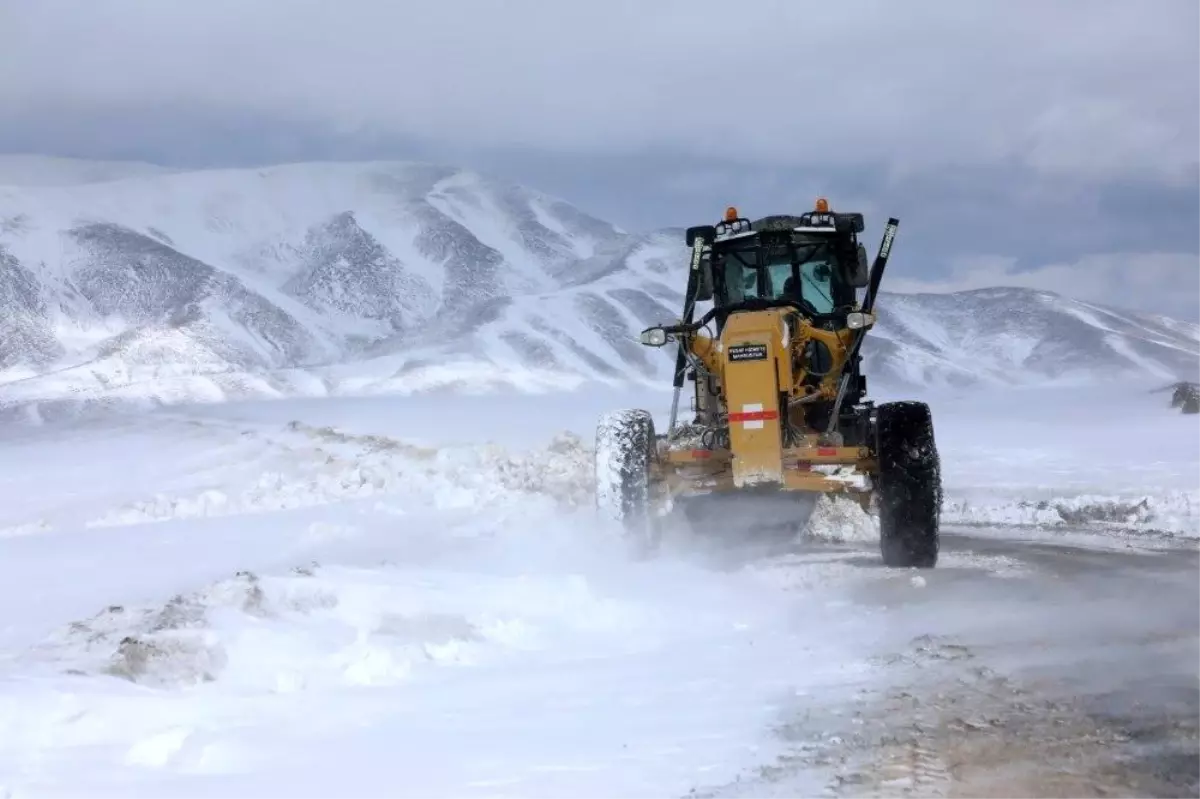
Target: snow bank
point(344, 466)
point(1174, 514)
point(326, 465)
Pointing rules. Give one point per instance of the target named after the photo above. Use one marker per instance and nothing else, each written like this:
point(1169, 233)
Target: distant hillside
point(126, 282)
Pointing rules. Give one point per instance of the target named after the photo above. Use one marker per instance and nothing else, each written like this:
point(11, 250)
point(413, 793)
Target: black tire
point(909, 485)
point(625, 452)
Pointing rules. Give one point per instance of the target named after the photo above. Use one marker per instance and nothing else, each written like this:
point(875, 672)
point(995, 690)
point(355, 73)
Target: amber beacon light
point(731, 214)
point(822, 205)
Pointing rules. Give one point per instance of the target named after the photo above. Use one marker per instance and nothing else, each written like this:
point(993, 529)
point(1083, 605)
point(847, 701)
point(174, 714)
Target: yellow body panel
point(836, 342)
point(709, 470)
point(760, 365)
point(750, 349)
point(708, 351)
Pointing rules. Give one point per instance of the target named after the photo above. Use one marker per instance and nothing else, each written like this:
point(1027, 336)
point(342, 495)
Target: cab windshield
point(760, 274)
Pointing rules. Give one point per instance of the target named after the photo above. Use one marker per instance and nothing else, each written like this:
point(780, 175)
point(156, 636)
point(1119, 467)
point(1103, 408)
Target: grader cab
point(779, 399)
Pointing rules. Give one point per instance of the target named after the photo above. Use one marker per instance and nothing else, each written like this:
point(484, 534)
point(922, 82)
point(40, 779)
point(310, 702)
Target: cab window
point(739, 277)
point(816, 284)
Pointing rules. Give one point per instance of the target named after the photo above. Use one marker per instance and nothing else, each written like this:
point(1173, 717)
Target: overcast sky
point(1039, 142)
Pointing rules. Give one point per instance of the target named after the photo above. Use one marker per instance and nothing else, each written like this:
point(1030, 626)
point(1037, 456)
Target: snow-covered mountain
point(1022, 336)
point(147, 284)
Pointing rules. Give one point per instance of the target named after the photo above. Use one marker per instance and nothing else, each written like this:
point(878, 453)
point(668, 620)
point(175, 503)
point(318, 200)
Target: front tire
point(910, 485)
point(625, 454)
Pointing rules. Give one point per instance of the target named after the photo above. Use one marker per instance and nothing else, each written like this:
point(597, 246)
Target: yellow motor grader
point(779, 403)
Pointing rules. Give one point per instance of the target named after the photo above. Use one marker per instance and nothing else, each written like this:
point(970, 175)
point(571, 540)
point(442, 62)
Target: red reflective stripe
point(803, 466)
point(701, 453)
point(753, 416)
point(826, 450)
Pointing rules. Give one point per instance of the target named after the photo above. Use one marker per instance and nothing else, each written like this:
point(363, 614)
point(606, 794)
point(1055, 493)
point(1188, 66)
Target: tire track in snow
point(958, 731)
point(950, 725)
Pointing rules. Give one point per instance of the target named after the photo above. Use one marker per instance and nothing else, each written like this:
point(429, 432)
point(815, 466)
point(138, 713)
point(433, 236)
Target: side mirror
point(705, 233)
point(654, 337)
point(859, 320)
point(860, 276)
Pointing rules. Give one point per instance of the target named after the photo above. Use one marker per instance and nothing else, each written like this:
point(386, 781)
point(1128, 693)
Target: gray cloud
point(1042, 143)
point(1098, 91)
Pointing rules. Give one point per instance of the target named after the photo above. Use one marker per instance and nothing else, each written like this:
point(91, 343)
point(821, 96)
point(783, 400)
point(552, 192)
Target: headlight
point(857, 320)
point(654, 337)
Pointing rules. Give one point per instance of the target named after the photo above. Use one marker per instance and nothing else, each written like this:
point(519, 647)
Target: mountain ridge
point(400, 276)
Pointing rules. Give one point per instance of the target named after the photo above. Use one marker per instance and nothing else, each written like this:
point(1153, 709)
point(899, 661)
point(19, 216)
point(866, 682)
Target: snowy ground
point(1116, 460)
point(410, 596)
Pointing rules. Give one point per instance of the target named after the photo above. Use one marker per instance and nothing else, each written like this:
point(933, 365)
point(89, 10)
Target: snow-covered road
point(359, 598)
point(1077, 676)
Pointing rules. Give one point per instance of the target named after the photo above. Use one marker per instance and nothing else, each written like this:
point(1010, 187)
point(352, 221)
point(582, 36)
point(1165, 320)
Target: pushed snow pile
point(168, 645)
point(344, 466)
point(838, 518)
point(1175, 513)
point(26, 528)
point(335, 626)
point(1185, 396)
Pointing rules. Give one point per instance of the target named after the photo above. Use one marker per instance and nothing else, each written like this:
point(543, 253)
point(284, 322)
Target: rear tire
point(910, 485)
point(625, 453)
